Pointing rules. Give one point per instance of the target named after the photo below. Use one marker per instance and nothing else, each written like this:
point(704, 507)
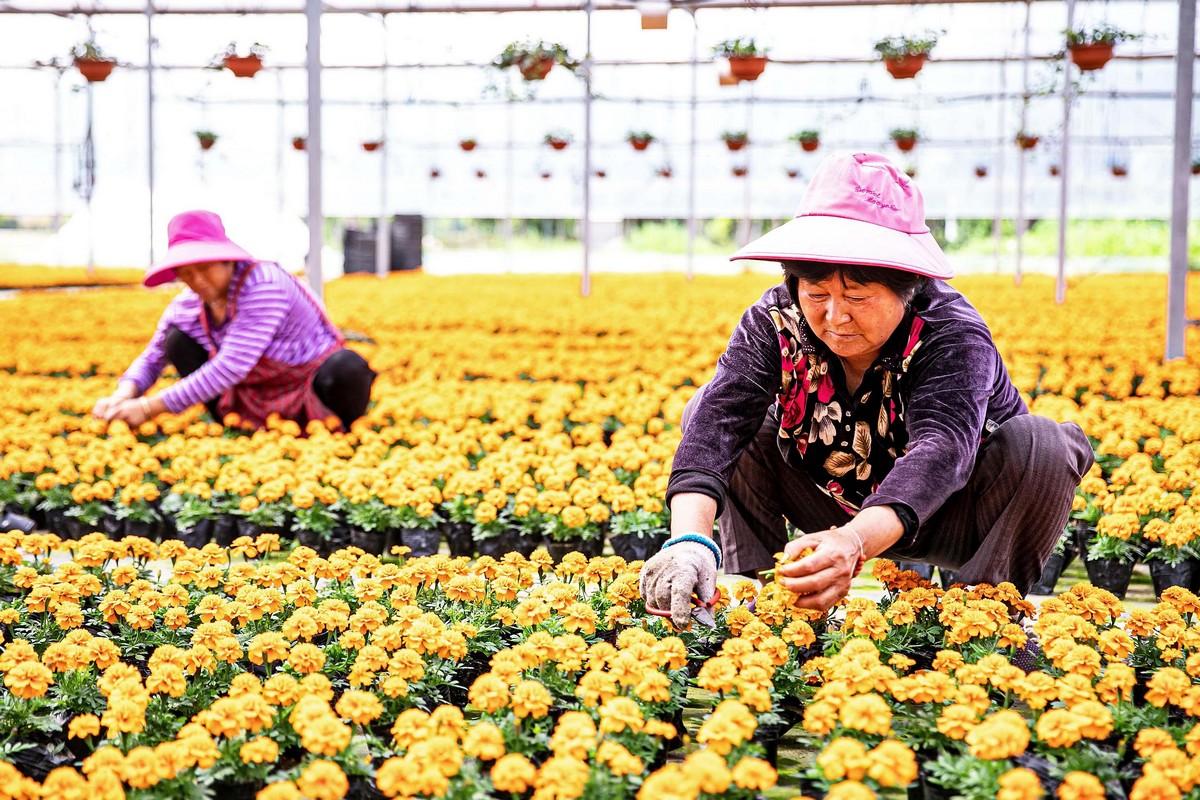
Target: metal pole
point(1064, 175)
point(1019, 225)
point(58, 146)
point(1180, 174)
point(150, 115)
point(746, 222)
point(585, 287)
point(89, 181)
point(316, 215)
point(998, 218)
point(383, 230)
point(691, 226)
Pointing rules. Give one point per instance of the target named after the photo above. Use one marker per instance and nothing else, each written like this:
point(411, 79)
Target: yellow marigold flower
point(957, 720)
point(1166, 686)
point(488, 693)
point(849, 790)
point(868, 713)
point(323, 780)
point(531, 699)
point(892, 763)
point(1081, 786)
point(1002, 735)
point(484, 741)
point(561, 777)
point(754, 773)
point(619, 760)
point(730, 724)
point(1151, 740)
point(820, 718)
point(260, 750)
point(28, 680)
point(844, 759)
point(1019, 784)
point(619, 714)
point(361, 708)
point(709, 770)
point(83, 726)
point(1152, 786)
point(512, 773)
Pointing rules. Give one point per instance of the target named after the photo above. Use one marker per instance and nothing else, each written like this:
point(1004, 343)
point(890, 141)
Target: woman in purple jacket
point(246, 337)
point(863, 400)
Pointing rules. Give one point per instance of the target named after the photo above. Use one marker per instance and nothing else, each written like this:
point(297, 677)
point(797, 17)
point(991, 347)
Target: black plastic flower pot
point(339, 539)
point(497, 546)
point(1164, 575)
point(560, 550)
point(1050, 573)
point(934, 791)
point(769, 736)
point(77, 528)
point(1083, 534)
point(112, 526)
point(526, 543)
point(949, 577)
point(311, 539)
point(421, 542)
point(236, 790)
point(198, 535)
point(226, 528)
point(373, 542)
point(56, 521)
point(458, 536)
point(167, 528)
point(632, 547)
point(1110, 574)
point(142, 528)
point(920, 567)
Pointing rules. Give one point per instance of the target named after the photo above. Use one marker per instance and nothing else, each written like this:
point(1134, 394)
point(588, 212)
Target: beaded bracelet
point(699, 538)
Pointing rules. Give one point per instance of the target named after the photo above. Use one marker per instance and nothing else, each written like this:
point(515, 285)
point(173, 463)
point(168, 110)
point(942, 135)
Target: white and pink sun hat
point(194, 237)
point(858, 209)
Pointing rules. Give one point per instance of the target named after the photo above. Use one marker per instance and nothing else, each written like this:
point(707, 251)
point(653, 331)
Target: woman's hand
point(823, 577)
point(106, 406)
point(131, 412)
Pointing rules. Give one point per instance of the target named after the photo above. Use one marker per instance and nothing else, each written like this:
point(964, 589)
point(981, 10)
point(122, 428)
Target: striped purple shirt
point(274, 317)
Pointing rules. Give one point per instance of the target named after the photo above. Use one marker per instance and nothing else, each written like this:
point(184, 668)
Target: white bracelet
point(862, 550)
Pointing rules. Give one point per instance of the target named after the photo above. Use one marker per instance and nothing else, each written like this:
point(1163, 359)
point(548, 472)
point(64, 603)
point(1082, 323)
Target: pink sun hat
point(193, 237)
point(858, 209)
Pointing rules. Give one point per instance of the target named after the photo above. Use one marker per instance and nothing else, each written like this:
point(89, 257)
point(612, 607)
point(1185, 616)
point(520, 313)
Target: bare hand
point(131, 412)
point(823, 577)
point(105, 406)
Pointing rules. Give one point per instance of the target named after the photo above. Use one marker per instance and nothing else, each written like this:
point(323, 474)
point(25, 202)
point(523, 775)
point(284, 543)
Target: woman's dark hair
point(904, 284)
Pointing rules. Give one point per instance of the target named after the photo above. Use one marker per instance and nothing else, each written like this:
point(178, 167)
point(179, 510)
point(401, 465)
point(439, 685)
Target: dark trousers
point(342, 382)
point(1002, 526)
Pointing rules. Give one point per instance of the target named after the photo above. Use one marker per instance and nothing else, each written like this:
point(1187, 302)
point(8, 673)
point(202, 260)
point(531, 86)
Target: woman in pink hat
point(246, 337)
point(863, 400)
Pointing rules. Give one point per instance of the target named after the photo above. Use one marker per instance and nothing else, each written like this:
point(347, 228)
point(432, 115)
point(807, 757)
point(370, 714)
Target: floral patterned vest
point(846, 443)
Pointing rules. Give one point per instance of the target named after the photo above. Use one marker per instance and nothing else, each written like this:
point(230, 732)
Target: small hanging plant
point(1196, 166)
point(534, 60)
point(904, 56)
point(664, 171)
point(793, 172)
point(91, 62)
point(1118, 167)
point(372, 146)
point(740, 172)
point(467, 144)
point(207, 139)
point(435, 173)
point(639, 139)
point(905, 138)
point(746, 59)
point(1092, 48)
point(558, 140)
point(242, 62)
point(1026, 141)
point(809, 140)
point(1054, 170)
point(981, 170)
point(299, 143)
point(600, 173)
point(910, 171)
point(735, 140)
point(546, 174)
point(480, 174)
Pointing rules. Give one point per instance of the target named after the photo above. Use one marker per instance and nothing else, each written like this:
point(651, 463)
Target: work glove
point(669, 579)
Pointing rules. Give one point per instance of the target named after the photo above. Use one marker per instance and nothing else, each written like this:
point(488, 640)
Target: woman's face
point(854, 320)
point(209, 279)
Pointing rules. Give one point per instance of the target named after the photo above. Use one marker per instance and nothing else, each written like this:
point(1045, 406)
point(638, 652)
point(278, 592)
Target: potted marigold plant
point(92, 62)
point(1172, 553)
point(420, 527)
point(313, 520)
point(194, 516)
point(746, 59)
point(1117, 546)
point(534, 60)
point(243, 62)
point(904, 56)
point(637, 534)
point(640, 140)
point(558, 139)
point(1092, 48)
point(905, 138)
point(809, 140)
point(135, 506)
point(1026, 141)
point(459, 514)
point(491, 530)
point(255, 516)
point(371, 522)
point(468, 144)
point(299, 143)
point(735, 140)
point(572, 530)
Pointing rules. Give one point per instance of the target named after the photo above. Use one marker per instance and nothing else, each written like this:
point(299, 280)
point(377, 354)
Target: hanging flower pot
point(1054, 170)
point(740, 172)
point(299, 143)
point(558, 140)
point(546, 175)
point(480, 174)
point(600, 173)
point(243, 66)
point(435, 173)
point(905, 138)
point(746, 59)
point(654, 14)
point(725, 79)
point(1027, 141)
point(91, 62)
point(1196, 166)
point(981, 171)
point(663, 172)
point(904, 56)
point(808, 140)
point(371, 147)
point(534, 60)
point(467, 144)
point(735, 140)
point(640, 140)
point(1119, 170)
point(910, 171)
point(1090, 57)
point(207, 139)
point(792, 172)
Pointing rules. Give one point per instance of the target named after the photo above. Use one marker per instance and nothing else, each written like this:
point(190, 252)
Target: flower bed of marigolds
point(219, 613)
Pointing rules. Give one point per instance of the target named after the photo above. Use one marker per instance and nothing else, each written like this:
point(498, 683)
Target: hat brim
point(839, 240)
point(186, 253)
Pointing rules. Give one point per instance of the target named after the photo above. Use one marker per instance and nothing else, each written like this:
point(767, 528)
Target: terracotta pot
point(793, 173)
point(537, 70)
point(664, 173)
point(911, 172)
point(480, 173)
point(1196, 169)
point(558, 144)
point(736, 144)
point(640, 144)
point(740, 172)
point(1119, 171)
point(727, 80)
point(299, 143)
point(1027, 142)
point(747, 68)
point(981, 172)
point(809, 145)
point(906, 143)
point(545, 176)
point(905, 66)
point(600, 173)
point(94, 70)
point(467, 145)
point(243, 66)
point(371, 147)
point(1054, 170)
point(206, 143)
point(1090, 56)
point(435, 173)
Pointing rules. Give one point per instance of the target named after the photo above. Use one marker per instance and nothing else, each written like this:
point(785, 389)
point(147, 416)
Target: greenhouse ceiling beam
point(242, 9)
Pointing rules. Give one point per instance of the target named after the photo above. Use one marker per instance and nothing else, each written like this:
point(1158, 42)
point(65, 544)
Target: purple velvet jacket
point(955, 390)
